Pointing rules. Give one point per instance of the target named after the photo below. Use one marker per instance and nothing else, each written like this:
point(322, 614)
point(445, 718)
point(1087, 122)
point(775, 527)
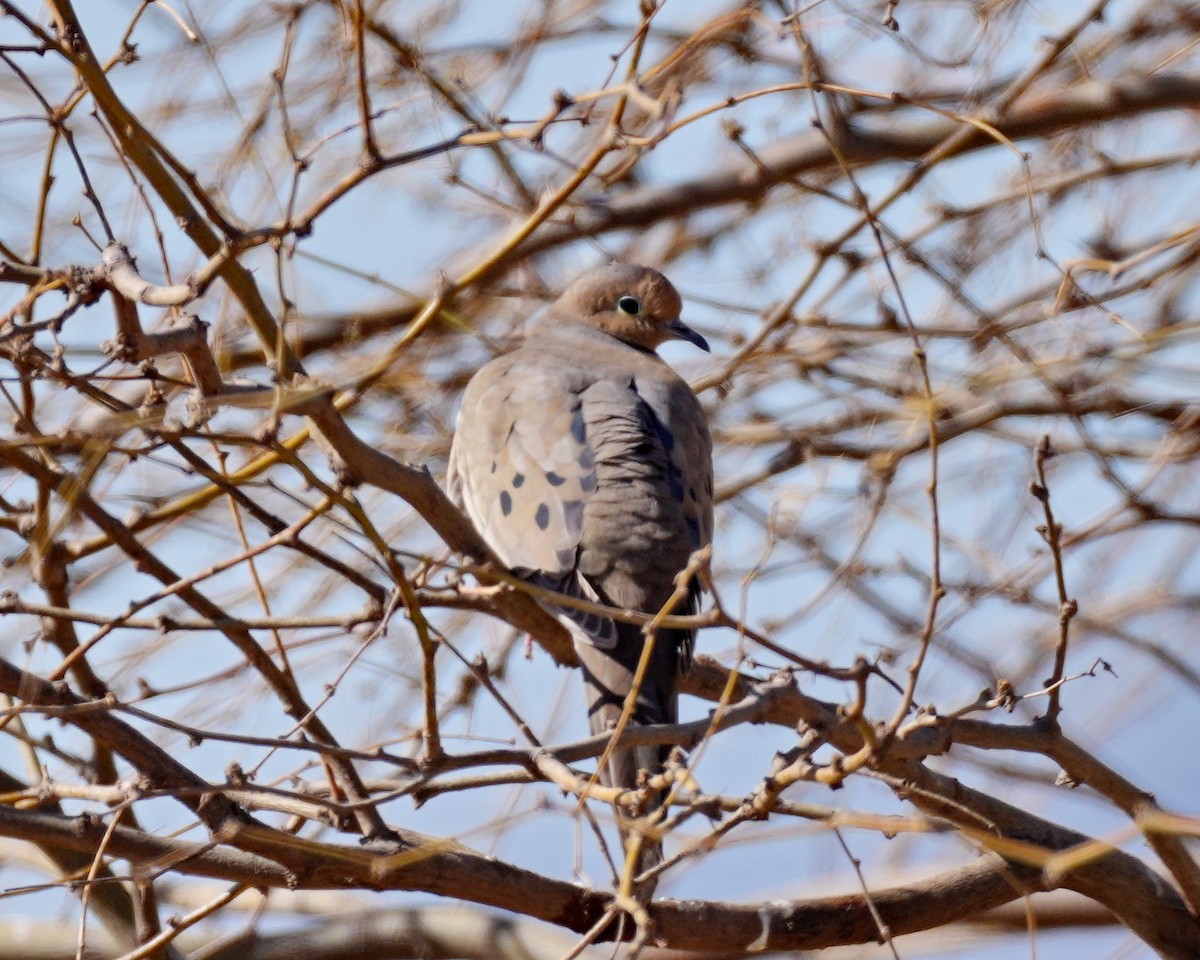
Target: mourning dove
point(585, 463)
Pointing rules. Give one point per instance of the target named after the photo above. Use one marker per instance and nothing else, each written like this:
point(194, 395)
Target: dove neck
point(601, 336)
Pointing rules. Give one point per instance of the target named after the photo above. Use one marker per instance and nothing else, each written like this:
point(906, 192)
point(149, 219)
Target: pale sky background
point(405, 228)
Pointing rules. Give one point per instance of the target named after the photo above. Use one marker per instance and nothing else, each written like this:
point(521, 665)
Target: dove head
point(635, 304)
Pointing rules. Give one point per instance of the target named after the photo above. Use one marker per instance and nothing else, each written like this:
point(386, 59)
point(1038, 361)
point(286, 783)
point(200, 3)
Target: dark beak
point(681, 331)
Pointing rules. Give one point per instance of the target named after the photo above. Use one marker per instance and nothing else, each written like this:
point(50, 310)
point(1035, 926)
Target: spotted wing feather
point(524, 471)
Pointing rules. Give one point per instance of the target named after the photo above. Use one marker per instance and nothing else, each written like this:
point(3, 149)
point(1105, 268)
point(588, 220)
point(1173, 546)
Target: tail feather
point(608, 678)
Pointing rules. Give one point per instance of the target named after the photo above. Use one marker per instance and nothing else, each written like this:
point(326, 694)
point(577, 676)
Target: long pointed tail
point(608, 677)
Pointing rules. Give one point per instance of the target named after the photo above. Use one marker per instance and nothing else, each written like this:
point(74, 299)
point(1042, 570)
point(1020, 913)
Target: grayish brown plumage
point(585, 463)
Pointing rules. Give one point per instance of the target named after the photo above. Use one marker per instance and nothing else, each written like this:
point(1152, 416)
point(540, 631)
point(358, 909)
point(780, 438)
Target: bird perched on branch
point(585, 463)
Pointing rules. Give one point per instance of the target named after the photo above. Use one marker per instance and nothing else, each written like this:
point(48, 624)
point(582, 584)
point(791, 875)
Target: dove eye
point(629, 305)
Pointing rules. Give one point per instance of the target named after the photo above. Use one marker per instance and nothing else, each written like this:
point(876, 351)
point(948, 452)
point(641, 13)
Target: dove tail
point(608, 678)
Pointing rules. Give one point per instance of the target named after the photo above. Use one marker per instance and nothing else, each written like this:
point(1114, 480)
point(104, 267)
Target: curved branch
point(900, 136)
point(687, 925)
